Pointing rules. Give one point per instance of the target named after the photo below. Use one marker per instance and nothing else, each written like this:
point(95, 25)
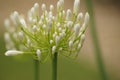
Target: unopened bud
point(76, 29)
point(23, 23)
point(57, 39)
point(51, 7)
point(82, 38)
point(70, 44)
point(43, 7)
point(21, 35)
point(51, 41)
point(38, 52)
point(76, 7)
point(53, 49)
point(86, 20)
point(79, 17)
point(7, 24)
point(69, 24)
point(34, 29)
point(13, 53)
point(36, 9)
point(68, 15)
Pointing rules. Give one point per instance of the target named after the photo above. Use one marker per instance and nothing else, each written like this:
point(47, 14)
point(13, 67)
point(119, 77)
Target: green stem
point(36, 63)
point(54, 66)
point(97, 48)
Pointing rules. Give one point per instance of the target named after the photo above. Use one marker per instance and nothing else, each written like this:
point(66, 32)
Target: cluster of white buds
point(44, 35)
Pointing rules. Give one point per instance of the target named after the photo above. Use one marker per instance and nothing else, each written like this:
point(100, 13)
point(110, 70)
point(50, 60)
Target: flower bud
point(28, 42)
point(50, 15)
point(43, 7)
point(54, 34)
point(62, 35)
point(53, 49)
point(15, 18)
point(86, 20)
point(21, 36)
point(44, 27)
point(16, 15)
point(42, 18)
point(62, 2)
point(13, 53)
point(79, 46)
point(68, 15)
point(79, 17)
point(76, 7)
point(57, 40)
point(81, 41)
point(69, 24)
point(34, 29)
point(51, 41)
point(23, 23)
point(30, 17)
point(40, 23)
point(51, 7)
point(83, 28)
point(49, 25)
point(60, 5)
point(58, 24)
point(34, 21)
point(36, 9)
point(38, 53)
point(76, 29)
point(7, 24)
point(82, 38)
point(32, 12)
point(63, 13)
point(70, 44)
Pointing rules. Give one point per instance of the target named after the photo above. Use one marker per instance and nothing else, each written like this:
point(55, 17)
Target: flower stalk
point(98, 52)
point(54, 66)
point(36, 68)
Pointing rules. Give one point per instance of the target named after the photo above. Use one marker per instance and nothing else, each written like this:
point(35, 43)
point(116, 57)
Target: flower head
point(44, 35)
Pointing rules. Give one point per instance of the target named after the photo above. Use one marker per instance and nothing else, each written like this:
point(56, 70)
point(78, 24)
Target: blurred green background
point(107, 16)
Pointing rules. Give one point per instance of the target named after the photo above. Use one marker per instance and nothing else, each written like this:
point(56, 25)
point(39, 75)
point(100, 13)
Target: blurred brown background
point(107, 16)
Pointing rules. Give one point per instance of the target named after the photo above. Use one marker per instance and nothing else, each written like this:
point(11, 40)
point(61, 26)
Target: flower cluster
point(42, 36)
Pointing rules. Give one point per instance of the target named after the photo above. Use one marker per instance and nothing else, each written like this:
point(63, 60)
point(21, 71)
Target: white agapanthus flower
point(44, 35)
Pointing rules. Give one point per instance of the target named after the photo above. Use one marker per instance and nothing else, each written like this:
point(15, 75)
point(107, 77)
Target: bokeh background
point(107, 18)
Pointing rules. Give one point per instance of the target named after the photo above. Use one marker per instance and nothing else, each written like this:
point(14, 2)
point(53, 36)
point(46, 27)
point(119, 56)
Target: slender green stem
point(36, 63)
point(97, 48)
point(54, 67)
